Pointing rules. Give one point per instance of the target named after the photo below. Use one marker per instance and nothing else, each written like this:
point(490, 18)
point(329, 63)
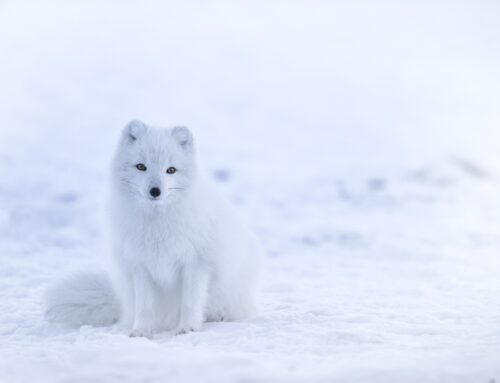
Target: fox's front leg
point(194, 289)
point(145, 311)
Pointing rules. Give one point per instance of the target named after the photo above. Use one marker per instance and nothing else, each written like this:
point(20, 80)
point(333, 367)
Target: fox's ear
point(183, 136)
point(133, 130)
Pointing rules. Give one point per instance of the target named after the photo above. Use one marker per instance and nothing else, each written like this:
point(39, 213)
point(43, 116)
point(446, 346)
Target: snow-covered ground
point(360, 139)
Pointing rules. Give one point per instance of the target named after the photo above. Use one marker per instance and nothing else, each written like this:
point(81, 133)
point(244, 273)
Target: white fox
point(180, 255)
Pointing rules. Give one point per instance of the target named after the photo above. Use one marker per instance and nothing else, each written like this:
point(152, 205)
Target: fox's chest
point(166, 247)
point(163, 257)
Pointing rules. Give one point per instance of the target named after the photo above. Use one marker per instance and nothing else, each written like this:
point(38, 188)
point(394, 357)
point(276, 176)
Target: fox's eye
point(171, 170)
point(141, 167)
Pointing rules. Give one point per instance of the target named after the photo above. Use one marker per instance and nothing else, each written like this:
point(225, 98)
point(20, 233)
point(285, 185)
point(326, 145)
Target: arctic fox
point(179, 254)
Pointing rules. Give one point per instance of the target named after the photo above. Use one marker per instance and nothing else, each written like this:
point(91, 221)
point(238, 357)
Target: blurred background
point(372, 86)
point(359, 138)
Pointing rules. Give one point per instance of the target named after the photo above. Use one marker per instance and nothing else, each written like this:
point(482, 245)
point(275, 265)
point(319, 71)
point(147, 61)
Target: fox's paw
point(140, 333)
point(184, 329)
point(217, 318)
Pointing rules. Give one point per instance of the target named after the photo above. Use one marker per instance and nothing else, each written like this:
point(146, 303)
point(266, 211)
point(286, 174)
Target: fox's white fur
point(179, 259)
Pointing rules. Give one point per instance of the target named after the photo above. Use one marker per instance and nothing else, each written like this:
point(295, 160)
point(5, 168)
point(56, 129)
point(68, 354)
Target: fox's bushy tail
point(86, 298)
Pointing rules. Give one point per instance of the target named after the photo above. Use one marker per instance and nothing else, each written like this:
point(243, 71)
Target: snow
point(359, 139)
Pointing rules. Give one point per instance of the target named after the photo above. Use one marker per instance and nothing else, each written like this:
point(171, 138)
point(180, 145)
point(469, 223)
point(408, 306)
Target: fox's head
point(154, 165)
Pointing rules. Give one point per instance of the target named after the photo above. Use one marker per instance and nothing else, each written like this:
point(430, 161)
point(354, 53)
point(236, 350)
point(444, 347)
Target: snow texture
point(359, 139)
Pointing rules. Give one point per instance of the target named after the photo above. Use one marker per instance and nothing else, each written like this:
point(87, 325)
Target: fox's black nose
point(155, 192)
